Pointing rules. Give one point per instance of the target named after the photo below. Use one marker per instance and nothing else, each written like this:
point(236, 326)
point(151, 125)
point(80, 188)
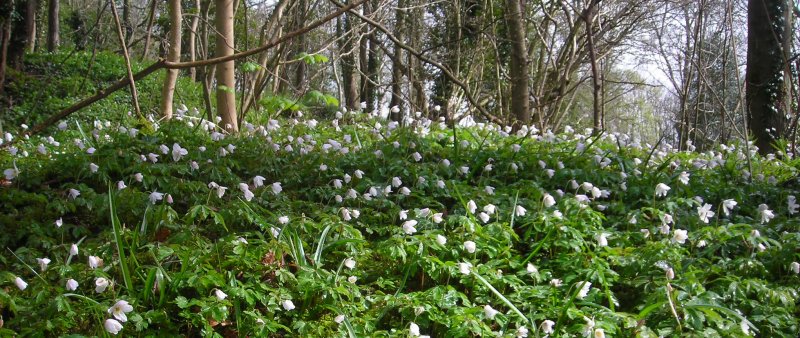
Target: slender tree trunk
point(174, 55)
point(519, 63)
point(149, 30)
point(53, 27)
point(30, 25)
point(397, 73)
point(126, 20)
point(6, 37)
point(597, 86)
point(764, 76)
point(193, 38)
point(349, 66)
point(226, 81)
point(121, 36)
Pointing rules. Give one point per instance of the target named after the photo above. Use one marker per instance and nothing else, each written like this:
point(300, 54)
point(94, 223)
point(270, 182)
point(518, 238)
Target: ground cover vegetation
point(351, 225)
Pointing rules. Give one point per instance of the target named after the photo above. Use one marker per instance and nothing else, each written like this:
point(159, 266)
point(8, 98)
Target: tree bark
point(149, 30)
point(519, 63)
point(349, 66)
point(174, 55)
point(397, 59)
point(30, 25)
point(597, 87)
point(226, 81)
point(193, 39)
point(764, 76)
point(53, 26)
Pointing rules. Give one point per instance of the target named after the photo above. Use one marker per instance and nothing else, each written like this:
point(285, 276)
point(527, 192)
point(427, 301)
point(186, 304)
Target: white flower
point(121, 185)
point(178, 152)
point(599, 333)
point(339, 319)
point(396, 182)
point(684, 177)
point(283, 219)
point(484, 217)
point(287, 305)
point(664, 229)
point(489, 311)
point(248, 195)
point(555, 282)
point(472, 207)
point(43, 262)
point(602, 239)
point(469, 246)
point(413, 329)
point(521, 332)
point(258, 181)
point(101, 284)
point(727, 206)
point(701, 243)
point(705, 212)
point(138, 177)
point(441, 240)
point(350, 263)
point(93, 167)
point(352, 279)
point(112, 326)
point(72, 285)
point(408, 227)
point(152, 157)
point(766, 214)
point(95, 262)
point(120, 309)
point(276, 188)
point(645, 232)
point(73, 194)
point(219, 294)
point(791, 201)
point(584, 290)
point(679, 236)
point(795, 267)
point(21, 284)
point(275, 231)
point(519, 211)
point(489, 189)
point(670, 273)
point(405, 191)
point(155, 197)
point(661, 190)
point(465, 268)
point(548, 200)
point(437, 217)
point(547, 326)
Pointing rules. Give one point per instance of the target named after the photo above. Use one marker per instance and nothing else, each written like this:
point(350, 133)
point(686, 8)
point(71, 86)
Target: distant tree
point(53, 25)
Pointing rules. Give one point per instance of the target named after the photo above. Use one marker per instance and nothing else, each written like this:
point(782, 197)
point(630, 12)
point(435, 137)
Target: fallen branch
point(160, 64)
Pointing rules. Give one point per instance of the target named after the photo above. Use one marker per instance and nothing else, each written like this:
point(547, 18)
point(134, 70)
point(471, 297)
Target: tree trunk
point(149, 30)
point(397, 59)
point(764, 76)
point(193, 39)
point(349, 66)
point(126, 20)
point(6, 37)
point(226, 80)
point(519, 63)
point(53, 26)
point(30, 25)
point(174, 55)
point(597, 87)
